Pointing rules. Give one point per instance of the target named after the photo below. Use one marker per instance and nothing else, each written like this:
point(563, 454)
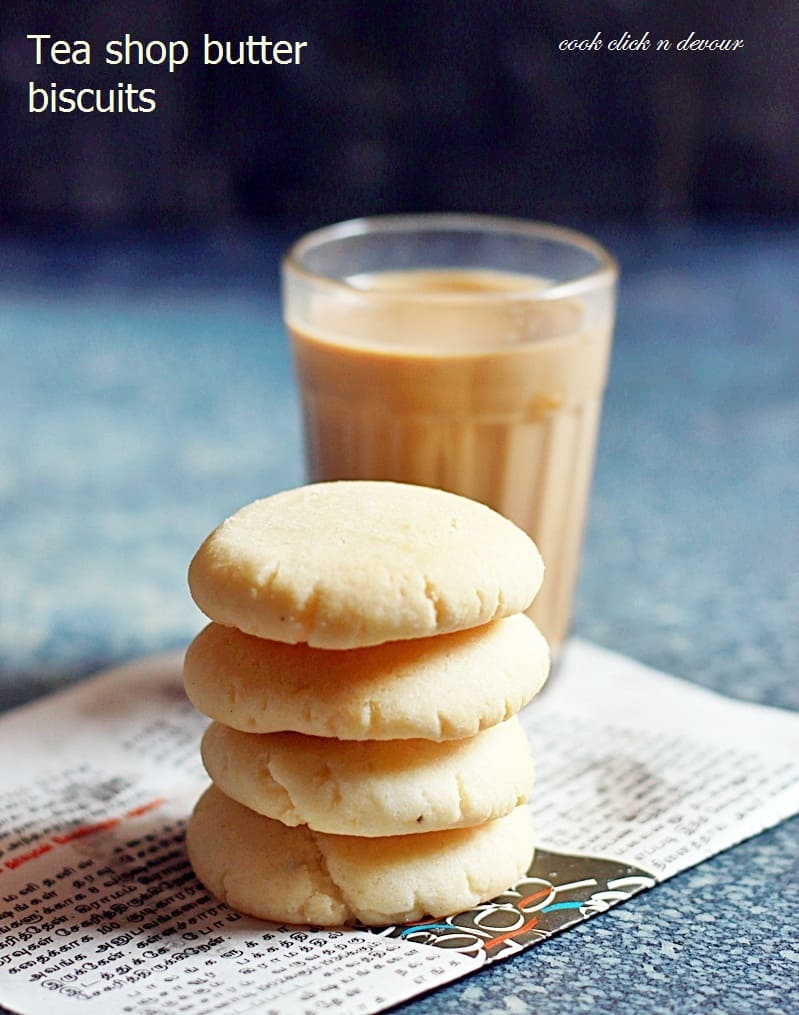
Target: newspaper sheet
point(639, 776)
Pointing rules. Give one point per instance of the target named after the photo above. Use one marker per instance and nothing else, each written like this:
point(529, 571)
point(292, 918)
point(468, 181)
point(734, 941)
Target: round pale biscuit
point(372, 787)
point(352, 563)
point(265, 869)
point(442, 688)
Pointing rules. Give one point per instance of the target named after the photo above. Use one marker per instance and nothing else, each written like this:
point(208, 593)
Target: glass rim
point(604, 271)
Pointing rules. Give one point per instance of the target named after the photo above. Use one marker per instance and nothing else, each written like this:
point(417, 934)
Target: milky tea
point(477, 379)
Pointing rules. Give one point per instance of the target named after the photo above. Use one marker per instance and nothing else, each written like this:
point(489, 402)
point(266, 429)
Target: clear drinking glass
point(465, 352)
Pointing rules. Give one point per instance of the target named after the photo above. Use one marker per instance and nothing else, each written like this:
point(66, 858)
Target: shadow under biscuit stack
point(367, 655)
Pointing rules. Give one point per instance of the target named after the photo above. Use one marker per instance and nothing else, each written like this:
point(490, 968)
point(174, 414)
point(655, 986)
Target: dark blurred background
point(444, 104)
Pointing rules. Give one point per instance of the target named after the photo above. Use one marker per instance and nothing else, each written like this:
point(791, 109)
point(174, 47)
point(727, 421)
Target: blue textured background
point(146, 393)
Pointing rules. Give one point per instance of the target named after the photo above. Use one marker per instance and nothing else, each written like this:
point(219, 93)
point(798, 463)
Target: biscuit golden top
point(354, 563)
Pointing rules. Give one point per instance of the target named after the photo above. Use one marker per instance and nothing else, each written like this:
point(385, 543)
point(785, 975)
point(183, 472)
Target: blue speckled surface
point(146, 393)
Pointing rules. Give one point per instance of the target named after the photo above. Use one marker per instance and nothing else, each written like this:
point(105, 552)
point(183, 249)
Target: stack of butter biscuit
point(366, 659)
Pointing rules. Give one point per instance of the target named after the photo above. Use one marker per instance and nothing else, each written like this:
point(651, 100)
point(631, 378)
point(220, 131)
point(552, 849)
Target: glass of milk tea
point(465, 352)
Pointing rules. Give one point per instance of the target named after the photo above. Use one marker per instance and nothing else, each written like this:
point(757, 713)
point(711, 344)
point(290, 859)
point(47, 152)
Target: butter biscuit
point(265, 869)
point(348, 564)
point(442, 688)
point(372, 787)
